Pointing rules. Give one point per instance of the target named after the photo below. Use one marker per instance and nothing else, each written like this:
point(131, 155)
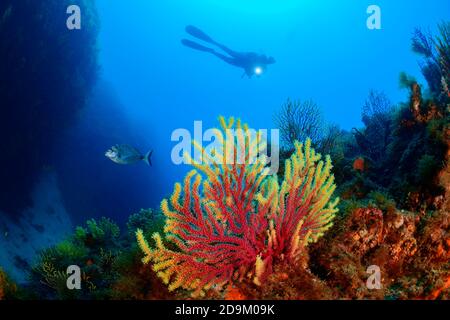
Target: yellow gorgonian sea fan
point(302, 209)
point(230, 220)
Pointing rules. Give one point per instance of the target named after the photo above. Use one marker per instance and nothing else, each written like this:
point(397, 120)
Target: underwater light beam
point(258, 71)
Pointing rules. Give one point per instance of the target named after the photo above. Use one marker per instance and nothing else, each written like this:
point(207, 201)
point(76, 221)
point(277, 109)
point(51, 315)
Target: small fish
point(125, 154)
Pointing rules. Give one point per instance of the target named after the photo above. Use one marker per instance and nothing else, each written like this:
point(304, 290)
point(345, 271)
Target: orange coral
point(369, 232)
point(233, 293)
point(436, 293)
point(359, 164)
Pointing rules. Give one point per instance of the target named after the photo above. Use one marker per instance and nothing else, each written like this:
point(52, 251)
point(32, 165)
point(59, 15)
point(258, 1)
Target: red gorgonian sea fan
point(231, 220)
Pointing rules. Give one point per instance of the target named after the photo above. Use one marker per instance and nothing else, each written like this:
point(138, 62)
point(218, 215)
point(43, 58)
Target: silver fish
point(126, 154)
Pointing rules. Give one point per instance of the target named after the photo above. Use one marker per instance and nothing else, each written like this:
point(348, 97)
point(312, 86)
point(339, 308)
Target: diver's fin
point(196, 46)
point(246, 74)
point(199, 34)
point(148, 158)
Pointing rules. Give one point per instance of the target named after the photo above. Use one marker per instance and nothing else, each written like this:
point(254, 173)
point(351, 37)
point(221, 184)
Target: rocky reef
point(344, 204)
point(45, 223)
point(47, 73)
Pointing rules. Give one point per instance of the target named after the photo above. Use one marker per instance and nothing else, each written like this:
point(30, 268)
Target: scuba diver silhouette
point(252, 63)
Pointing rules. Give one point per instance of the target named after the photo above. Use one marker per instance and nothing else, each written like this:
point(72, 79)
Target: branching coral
point(230, 220)
point(97, 233)
point(148, 220)
point(436, 53)
point(55, 279)
point(93, 248)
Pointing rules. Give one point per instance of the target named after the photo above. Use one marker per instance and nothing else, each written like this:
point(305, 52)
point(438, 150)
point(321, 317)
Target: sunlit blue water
point(323, 49)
